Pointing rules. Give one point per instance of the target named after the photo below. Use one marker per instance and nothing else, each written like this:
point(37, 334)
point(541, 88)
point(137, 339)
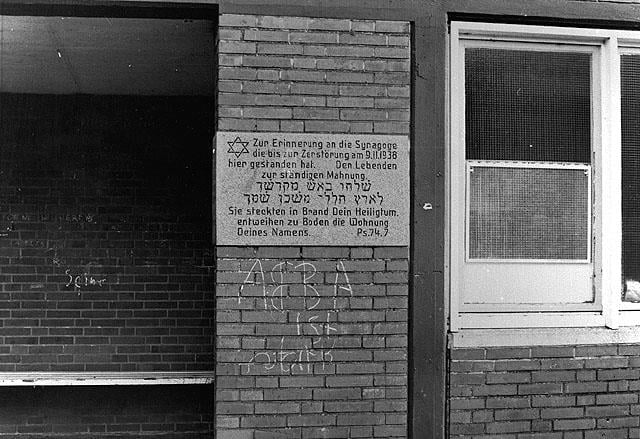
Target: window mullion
point(456, 177)
point(608, 196)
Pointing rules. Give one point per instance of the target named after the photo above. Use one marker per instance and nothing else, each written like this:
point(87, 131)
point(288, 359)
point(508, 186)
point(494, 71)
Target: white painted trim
point(530, 320)
point(527, 165)
point(630, 306)
point(519, 32)
point(455, 180)
point(103, 378)
point(629, 318)
point(469, 338)
point(531, 307)
point(524, 44)
point(609, 202)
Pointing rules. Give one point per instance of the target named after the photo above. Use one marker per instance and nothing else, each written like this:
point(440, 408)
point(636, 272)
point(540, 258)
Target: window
point(630, 118)
point(544, 187)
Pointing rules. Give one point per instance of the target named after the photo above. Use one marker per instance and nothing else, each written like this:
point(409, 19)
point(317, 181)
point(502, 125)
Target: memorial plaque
point(312, 189)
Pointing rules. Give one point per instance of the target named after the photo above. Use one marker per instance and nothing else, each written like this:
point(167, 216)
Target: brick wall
point(170, 412)
point(295, 74)
point(105, 246)
point(106, 256)
point(312, 341)
point(556, 392)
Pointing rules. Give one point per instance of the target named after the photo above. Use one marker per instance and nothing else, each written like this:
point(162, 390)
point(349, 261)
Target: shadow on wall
point(106, 258)
point(120, 411)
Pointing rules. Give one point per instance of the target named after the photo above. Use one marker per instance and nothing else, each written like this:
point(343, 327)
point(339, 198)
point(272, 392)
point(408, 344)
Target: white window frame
point(609, 310)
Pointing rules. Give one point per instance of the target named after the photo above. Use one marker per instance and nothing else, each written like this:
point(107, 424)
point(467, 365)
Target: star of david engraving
point(238, 147)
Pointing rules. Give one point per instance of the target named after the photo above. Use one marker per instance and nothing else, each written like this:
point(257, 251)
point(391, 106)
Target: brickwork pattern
point(294, 74)
point(312, 341)
point(169, 412)
point(105, 263)
point(105, 267)
point(555, 392)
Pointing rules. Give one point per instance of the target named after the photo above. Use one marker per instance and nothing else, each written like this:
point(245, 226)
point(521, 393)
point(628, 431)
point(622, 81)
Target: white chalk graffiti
point(314, 325)
point(82, 280)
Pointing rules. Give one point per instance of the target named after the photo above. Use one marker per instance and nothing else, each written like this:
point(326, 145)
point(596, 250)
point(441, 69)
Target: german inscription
point(312, 189)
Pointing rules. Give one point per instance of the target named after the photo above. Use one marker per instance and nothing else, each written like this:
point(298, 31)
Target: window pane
point(528, 213)
point(630, 88)
point(527, 105)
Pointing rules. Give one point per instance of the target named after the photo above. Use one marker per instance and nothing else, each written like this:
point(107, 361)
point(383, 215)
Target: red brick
point(468, 429)
point(390, 52)
point(389, 431)
point(466, 403)
point(561, 364)
point(574, 424)
point(607, 434)
point(391, 26)
point(263, 35)
point(391, 127)
point(588, 387)
point(508, 377)
point(482, 416)
point(237, 20)
point(262, 421)
point(495, 389)
point(313, 37)
point(325, 432)
point(509, 427)
point(557, 435)
point(276, 407)
point(629, 421)
point(586, 375)
point(596, 351)
point(552, 351)
point(234, 408)
point(508, 353)
point(553, 376)
point(552, 401)
point(282, 22)
point(328, 24)
point(472, 366)
point(617, 398)
point(516, 365)
point(516, 414)
point(362, 39)
point(236, 47)
point(618, 374)
point(564, 412)
point(606, 362)
point(508, 402)
point(311, 420)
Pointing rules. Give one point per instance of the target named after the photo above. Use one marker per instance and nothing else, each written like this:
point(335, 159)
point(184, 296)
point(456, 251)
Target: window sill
point(469, 338)
point(103, 378)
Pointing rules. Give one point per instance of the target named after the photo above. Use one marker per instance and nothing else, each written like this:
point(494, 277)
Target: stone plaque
point(312, 189)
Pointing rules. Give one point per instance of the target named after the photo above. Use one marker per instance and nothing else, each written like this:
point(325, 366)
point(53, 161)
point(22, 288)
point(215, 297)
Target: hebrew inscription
point(312, 189)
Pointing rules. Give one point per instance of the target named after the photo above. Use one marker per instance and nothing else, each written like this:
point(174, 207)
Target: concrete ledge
point(103, 378)
point(468, 338)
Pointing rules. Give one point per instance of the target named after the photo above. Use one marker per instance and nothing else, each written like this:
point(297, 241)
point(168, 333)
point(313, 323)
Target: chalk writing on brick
point(83, 280)
point(314, 322)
